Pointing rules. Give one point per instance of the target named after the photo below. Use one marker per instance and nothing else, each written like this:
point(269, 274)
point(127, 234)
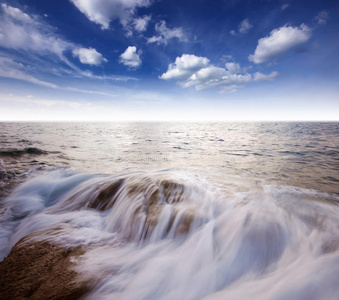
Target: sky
point(160, 60)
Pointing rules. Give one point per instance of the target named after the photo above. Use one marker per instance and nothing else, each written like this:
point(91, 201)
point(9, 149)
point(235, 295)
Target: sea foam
point(171, 235)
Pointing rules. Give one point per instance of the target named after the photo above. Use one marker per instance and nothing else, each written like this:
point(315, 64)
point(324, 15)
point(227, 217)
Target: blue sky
point(114, 60)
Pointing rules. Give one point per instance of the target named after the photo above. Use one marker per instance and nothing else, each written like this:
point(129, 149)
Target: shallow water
point(180, 211)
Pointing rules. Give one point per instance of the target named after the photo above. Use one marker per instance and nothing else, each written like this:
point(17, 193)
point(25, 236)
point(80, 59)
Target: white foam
point(272, 243)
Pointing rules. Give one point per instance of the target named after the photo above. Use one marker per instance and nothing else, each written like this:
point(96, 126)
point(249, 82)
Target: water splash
point(170, 235)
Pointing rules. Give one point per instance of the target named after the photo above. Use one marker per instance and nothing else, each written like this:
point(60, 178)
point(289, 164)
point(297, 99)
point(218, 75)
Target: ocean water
point(180, 210)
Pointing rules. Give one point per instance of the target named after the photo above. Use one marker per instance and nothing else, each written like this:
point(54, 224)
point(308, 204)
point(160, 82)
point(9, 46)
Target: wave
point(171, 235)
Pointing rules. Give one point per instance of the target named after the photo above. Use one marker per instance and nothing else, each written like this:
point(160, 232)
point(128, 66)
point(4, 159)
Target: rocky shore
point(41, 270)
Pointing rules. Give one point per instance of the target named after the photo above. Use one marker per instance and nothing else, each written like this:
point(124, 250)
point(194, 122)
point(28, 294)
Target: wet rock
point(41, 270)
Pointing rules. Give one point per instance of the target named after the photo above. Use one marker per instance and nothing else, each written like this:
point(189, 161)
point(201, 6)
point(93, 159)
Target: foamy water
point(201, 229)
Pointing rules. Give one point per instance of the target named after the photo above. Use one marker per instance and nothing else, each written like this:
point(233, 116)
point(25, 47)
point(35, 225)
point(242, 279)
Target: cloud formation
point(322, 17)
point(16, 13)
point(164, 34)
point(185, 66)
point(131, 57)
point(11, 69)
point(196, 71)
point(140, 24)
point(89, 56)
point(22, 33)
point(278, 42)
point(19, 31)
point(102, 12)
point(243, 28)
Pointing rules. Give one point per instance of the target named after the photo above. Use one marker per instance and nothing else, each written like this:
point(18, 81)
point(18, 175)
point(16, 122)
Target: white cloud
point(140, 24)
point(185, 66)
point(196, 71)
point(233, 68)
point(15, 70)
point(32, 35)
point(102, 12)
point(89, 56)
point(322, 17)
point(245, 26)
point(265, 77)
point(131, 57)
point(278, 42)
point(165, 34)
point(19, 31)
point(16, 13)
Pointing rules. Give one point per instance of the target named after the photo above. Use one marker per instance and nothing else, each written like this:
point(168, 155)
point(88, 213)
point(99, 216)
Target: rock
point(41, 270)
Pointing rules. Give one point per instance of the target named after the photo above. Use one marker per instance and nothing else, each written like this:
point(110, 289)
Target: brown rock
point(41, 270)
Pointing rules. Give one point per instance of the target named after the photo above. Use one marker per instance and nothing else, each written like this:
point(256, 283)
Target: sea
point(179, 210)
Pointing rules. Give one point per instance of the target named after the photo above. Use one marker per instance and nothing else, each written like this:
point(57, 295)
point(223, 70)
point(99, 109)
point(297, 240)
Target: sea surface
point(180, 210)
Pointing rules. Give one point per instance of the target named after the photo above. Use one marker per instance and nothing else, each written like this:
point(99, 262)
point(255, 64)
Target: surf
point(170, 234)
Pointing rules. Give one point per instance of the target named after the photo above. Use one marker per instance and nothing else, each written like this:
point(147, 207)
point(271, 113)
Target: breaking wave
point(171, 235)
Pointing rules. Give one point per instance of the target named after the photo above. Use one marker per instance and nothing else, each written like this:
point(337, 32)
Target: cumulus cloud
point(131, 57)
point(243, 28)
point(196, 71)
point(102, 12)
point(322, 17)
point(140, 24)
point(185, 66)
point(89, 56)
point(164, 34)
point(278, 42)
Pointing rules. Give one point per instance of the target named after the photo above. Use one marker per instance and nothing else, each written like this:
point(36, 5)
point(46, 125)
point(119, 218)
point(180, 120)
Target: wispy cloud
point(280, 41)
point(164, 34)
point(16, 70)
point(19, 31)
point(45, 51)
point(322, 17)
point(90, 92)
point(16, 14)
point(196, 71)
point(284, 6)
point(243, 28)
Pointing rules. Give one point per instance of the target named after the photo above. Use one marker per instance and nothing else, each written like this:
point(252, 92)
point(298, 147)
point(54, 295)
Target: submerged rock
point(19, 152)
